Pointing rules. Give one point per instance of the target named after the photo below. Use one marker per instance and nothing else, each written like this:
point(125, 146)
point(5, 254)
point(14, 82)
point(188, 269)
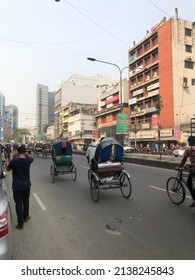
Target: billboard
point(121, 124)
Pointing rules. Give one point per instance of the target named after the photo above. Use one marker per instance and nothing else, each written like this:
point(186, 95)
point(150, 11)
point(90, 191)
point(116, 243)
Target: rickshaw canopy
point(62, 147)
point(109, 150)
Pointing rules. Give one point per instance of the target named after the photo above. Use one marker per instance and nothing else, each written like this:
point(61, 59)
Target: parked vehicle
point(6, 225)
point(179, 152)
point(128, 149)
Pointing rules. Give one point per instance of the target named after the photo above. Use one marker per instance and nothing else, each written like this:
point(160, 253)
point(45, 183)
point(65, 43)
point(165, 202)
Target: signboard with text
point(121, 124)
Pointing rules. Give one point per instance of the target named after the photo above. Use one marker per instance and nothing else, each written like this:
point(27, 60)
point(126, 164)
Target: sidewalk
point(167, 162)
point(163, 161)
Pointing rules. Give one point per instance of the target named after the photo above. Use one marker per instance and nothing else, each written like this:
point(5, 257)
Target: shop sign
point(153, 93)
point(166, 133)
point(137, 92)
point(121, 125)
point(106, 124)
point(153, 86)
point(132, 101)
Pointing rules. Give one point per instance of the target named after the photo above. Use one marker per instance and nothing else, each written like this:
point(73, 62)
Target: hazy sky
point(43, 41)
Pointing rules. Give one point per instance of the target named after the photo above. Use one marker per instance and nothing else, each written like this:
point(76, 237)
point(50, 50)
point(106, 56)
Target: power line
point(159, 8)
point(93, 21)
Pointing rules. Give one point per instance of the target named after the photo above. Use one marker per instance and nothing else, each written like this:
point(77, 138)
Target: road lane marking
point(39, 202)
point(153, 187)
point(84, 167)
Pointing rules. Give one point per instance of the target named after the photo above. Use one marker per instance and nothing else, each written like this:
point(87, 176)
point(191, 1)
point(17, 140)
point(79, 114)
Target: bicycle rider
point(188, 154)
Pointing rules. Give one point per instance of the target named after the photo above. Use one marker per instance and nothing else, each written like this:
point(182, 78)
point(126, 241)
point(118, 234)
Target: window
point(188, 48)
point(185, 80)
point(193, 82)
point(154, 40)
point(133, 82)
point(140, 78)
point(188, 64)
point(147, 45)
point(155, 55)
point(188, 32)
point(148, 104)
point(147, 60)
point(139, 51)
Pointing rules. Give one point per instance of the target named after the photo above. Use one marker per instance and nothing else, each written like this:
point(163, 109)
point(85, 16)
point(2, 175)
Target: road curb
point(159, 163)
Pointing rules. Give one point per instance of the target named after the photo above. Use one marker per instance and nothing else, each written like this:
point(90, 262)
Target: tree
point(19, 133)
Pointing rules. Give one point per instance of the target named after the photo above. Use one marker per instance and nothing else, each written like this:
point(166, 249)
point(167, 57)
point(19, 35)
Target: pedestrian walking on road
point(189, 153)
point(20, 167)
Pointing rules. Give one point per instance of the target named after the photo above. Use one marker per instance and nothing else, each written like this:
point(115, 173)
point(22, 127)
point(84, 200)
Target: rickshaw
point(107, 171)
point(38, 149)
point(30, 148)
point(62, 160)
point(46, 149)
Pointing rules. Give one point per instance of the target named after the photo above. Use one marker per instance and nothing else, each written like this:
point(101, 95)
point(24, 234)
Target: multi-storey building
point(162, 82)
point(2, 104)
point(79, 90)
point(44, 107)
point(11, 114)
point(80, 122)
point(109, 106)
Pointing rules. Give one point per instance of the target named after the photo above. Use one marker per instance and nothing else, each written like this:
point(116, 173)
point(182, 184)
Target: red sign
point(155, 120)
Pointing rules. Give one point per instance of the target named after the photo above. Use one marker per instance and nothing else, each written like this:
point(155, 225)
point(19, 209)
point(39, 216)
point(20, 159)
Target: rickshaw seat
point(110, 167)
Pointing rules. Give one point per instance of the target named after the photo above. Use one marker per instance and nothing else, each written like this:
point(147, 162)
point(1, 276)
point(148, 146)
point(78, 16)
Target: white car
point(128, 149)
point(179, 152)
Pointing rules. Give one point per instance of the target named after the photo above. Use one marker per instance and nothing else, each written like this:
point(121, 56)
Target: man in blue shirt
point(20, 167)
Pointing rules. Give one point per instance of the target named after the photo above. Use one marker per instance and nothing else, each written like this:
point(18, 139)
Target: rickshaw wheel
point(125, 185)
point(52, 174)
point(73, 172)
point(94, 187)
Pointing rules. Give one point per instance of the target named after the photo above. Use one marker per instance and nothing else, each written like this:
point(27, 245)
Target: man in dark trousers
point(20, 167)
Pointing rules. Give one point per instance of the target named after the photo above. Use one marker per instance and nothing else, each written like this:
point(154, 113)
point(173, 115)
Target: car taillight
point(4, 224)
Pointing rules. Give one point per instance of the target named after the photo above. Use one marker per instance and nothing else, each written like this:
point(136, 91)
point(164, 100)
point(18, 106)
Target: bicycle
point(175, 186)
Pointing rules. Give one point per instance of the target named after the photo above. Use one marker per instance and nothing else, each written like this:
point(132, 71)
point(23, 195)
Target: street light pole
point(120, 86)
point(120, 71)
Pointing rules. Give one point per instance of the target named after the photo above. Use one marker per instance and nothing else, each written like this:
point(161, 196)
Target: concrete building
point(77, 89)
point(44, 108)
point(79, 122)
point(11, 114)
point(2, 104)
point(109, 106)
point(162, 82)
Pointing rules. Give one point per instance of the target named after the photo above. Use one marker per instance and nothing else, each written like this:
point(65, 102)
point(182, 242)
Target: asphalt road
point(66, 224)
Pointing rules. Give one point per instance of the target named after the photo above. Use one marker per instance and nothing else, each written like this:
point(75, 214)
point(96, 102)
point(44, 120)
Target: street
point(66, 224)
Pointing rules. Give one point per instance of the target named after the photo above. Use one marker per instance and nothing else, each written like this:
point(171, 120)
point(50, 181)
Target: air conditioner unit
point(185, 85)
